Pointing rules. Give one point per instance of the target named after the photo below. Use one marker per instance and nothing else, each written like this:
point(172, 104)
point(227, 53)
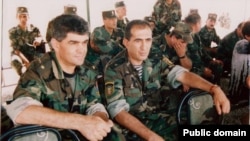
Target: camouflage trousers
point(17, 66)
point(163, 124)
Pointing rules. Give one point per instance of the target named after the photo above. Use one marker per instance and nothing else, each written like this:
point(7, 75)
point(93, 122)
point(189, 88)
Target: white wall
point(41, 11)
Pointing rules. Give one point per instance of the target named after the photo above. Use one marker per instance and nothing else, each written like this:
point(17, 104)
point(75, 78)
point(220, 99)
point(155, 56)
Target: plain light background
point(41, 11)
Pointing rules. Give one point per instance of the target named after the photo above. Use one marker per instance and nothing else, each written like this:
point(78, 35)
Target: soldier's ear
point(54, 44)
point(125, 42)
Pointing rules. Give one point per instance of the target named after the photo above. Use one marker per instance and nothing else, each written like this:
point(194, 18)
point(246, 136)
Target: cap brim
point(188, 38)
point(22, 13)
point(110, 17)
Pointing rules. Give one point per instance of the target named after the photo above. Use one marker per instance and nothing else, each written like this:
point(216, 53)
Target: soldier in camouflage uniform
point(151, 21)
point(167, 14)
point(202, 63)
point(105, 42)
point(173, 45)
point(208, 35)
point(57, 90)
point(132, 87)
point(121, 12)
point(26, 42)
point(225, 49)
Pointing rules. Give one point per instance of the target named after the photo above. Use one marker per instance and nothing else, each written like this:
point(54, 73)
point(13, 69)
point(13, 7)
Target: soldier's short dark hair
point(60, 26)
point(192, 18)
point(133, 23)
point(246, 29)
point(119, 4)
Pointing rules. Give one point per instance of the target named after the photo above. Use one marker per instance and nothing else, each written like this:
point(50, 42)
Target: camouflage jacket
point(161, 43)
point(208, 36)
point(167, 15)
point(45, 81)
point(104, 46)
point(23, 40)
point(122, 83)
point(122, 23)
point(198, 55)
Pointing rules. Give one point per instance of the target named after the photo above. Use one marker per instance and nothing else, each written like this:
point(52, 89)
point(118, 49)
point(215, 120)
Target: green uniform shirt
point(207, 37)
point(22, 40)
point(167, 15)
point(108, 46)
point(45, 82)
point(125, 90)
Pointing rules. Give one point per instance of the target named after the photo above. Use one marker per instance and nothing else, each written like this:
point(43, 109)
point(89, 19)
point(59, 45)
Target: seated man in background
point(57, 90)
point(105, 43)
point(133, 83)
point(26, 42)
point(209, 38)
point(239, 90)
point(202, 63)
point(121, 13)
point(226, 47)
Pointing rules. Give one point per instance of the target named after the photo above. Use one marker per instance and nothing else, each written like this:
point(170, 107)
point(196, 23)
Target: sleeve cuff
point(17, 106)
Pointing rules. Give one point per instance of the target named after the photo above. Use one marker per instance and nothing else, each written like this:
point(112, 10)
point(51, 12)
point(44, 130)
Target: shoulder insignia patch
point(109, 88)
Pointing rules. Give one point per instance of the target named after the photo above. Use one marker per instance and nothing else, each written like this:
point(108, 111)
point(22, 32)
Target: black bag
point(197, 108)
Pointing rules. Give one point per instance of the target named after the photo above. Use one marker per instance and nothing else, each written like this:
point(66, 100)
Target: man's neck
point(23, 26)
point(110, 30)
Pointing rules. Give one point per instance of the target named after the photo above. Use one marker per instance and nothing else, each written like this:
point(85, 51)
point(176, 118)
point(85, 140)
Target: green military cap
point(70, 9)
point(193, 11)
point(22, 10)
point(184, 30)
point(108, 14)
point(212, 16)
point(119, 4)
point(149, 19)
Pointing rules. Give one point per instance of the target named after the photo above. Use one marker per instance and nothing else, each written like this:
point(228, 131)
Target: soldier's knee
point(17, 66)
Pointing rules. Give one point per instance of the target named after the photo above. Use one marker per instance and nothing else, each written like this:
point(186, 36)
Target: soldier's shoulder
point(13, 29)
point(99, 32)
point(99, 29)
point(42, 60)
point(119, 30)
point(117, 61)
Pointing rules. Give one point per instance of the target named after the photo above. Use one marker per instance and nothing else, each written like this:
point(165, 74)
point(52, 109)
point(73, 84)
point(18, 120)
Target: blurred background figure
point(70, 9)
point(151, 21)
point(225, 49)
point(26, 42)
point(167, 14)
point(209, 38)
point(121, 13)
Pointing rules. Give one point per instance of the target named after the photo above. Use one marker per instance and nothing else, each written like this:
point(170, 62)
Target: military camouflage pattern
point(167, 51)
point(23, 40)
point(122, 23)
point(225, 49)
point(166, 15)
point(104, 46)
point(201, 59)
point(207, 36)
point(199, 56)
point(143, 96)
point(45, 82)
